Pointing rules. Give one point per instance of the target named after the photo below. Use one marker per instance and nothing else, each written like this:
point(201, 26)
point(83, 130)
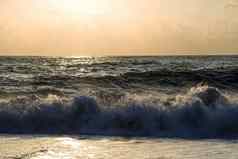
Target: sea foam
point(201, 112)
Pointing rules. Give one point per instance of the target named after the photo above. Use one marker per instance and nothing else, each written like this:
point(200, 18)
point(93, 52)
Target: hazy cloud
point(153, 27)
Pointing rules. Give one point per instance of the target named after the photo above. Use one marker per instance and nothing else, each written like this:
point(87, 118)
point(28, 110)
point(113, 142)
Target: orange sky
point(125, 27)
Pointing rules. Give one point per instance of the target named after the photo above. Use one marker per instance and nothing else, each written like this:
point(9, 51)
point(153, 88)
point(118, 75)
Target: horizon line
point(117, 55)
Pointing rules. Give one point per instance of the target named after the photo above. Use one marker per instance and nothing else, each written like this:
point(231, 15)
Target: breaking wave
point(201, 112)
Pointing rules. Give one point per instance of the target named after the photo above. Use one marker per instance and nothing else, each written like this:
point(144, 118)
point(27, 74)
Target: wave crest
point(202, 111)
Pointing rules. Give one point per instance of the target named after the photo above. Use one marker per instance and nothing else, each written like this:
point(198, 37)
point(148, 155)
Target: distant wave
point(228, 75)
point(220, 78)
point(202, 111)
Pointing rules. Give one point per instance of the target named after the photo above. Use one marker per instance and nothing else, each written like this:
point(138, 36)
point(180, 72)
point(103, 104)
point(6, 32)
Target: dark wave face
point(164, 96)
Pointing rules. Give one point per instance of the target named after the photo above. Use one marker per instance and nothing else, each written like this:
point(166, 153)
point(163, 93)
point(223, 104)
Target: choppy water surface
point(100, 76)
point(142, 96)
point(184, 107)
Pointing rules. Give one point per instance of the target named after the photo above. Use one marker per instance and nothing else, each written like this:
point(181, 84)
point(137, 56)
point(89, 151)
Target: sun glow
point(82, 7)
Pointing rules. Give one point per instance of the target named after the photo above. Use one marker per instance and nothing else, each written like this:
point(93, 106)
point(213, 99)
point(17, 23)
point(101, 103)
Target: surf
point(203, 111)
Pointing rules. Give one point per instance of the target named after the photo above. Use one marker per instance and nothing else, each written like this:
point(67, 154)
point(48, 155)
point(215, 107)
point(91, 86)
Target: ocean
point(119, 107)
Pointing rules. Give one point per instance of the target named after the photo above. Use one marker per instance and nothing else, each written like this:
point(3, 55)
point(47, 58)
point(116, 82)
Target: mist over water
point(148, 96)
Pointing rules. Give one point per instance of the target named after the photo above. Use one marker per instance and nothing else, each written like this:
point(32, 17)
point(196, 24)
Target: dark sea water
point(187, 96)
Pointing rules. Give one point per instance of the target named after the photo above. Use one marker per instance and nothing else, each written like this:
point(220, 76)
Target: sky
point(118, 27)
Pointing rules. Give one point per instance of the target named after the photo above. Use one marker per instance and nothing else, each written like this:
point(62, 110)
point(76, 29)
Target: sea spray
point(202, 111)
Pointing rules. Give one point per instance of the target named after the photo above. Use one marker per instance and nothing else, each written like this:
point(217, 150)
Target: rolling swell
point(202, 112)
point(220, 78)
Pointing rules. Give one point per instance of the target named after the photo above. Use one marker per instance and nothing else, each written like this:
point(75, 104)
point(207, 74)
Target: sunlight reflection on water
point(145, 148)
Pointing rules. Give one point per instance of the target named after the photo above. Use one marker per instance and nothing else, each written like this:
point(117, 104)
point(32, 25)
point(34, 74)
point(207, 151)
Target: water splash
point(202, 111)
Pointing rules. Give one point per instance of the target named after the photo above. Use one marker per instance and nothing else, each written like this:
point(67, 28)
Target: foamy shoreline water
point(95, 147)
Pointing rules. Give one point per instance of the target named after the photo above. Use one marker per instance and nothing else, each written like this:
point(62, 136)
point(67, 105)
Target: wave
point(202, 111)
point(221, 78)
point(225, 79)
